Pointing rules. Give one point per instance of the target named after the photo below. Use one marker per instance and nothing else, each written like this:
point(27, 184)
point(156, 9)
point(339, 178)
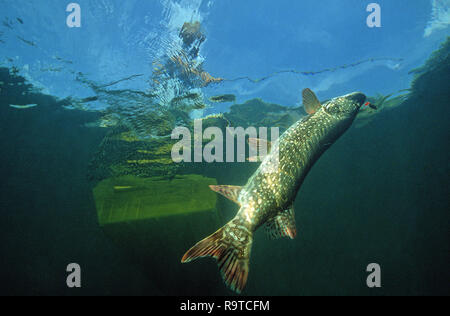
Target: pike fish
point(268, 197)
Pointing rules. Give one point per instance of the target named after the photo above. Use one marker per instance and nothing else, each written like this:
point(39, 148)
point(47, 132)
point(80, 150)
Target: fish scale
point(269, 194)
point(299, 147)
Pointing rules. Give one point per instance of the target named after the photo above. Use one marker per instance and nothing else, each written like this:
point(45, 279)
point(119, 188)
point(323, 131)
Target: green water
point(379, 194)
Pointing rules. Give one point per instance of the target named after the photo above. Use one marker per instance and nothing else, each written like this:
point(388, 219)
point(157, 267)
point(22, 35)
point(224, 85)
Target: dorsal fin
point(310, 101)
point(229, 191)
point(282, 225)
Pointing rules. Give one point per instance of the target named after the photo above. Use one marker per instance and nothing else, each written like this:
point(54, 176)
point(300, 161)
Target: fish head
point(346, 106)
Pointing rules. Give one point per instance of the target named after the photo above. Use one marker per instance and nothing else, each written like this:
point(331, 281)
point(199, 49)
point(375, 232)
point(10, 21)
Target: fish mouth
point(357, 97)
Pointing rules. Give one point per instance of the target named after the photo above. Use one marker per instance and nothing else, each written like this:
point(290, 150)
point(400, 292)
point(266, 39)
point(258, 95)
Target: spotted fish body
point(268, 197)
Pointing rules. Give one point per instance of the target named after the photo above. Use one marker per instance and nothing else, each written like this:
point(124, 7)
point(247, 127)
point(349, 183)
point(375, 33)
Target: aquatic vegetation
point(438, 58)
point(216, 120)
point(258, 113)
point(164, 149)
point(106, 121)
point(223, 98)
point(143, 113)
point(188, 102)
point(163, 161)
point(124, 153)
point(438, 64)
point(127, 137)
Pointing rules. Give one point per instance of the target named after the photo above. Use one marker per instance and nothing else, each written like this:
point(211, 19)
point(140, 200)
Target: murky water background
point(380, 194)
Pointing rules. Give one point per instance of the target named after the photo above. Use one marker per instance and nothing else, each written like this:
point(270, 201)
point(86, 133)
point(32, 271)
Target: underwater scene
point(224, 148)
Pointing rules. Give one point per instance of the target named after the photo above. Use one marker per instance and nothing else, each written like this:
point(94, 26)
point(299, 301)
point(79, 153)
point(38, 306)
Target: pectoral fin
point(282, 225)
point(229, 191)
point(310, 101)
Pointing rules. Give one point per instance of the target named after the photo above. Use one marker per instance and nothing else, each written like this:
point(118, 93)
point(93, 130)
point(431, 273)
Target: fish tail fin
point(230, 246)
